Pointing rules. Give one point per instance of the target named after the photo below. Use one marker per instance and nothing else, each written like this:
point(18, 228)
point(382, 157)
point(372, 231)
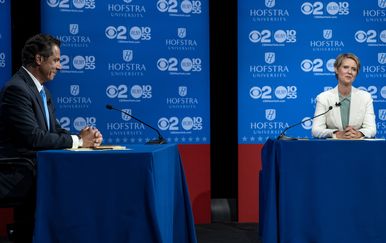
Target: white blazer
point(362, 116)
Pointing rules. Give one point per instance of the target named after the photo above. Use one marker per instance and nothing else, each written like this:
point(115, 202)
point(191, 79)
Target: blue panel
point(149, 58)
point(5, 41)
point(286, 53)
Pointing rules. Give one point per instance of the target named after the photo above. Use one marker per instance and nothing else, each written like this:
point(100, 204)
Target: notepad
point(102, 147)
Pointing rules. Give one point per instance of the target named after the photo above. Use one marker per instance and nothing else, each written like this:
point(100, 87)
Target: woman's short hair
point(339, 59)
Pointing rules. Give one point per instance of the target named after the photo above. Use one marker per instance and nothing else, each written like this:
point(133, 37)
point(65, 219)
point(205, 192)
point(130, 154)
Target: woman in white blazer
point(351, 114)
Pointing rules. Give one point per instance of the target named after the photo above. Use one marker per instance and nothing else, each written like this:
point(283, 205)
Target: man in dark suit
point(27, 116)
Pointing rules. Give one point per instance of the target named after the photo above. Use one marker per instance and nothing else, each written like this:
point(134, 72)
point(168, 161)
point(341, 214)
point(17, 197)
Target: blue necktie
point(47, 115)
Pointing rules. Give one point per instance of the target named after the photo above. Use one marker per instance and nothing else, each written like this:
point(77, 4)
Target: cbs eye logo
point(136, 91)
point(266, 36)
point(186, 6)
point(87, 4)
point(265, 92)
point(172, 64)
point(174, 123)
point(332, 8)
point(316, 65)
point(122, 33)
point(369, 36)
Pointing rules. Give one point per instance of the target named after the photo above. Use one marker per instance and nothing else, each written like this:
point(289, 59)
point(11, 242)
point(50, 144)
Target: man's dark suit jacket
point(23, 129)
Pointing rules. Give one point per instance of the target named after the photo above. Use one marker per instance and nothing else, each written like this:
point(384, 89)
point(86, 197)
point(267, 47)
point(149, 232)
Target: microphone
point(160, 139)
point(282, 135)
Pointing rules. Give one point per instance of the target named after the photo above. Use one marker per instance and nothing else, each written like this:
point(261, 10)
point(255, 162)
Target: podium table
point(113, 196)
point(323, 191)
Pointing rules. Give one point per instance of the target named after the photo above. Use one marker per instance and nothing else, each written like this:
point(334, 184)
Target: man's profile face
point(48, 67)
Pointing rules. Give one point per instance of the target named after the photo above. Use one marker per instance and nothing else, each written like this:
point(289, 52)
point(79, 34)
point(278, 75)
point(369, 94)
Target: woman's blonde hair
point(339, 59)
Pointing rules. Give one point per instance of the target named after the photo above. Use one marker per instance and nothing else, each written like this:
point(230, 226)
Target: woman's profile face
point(347, 71)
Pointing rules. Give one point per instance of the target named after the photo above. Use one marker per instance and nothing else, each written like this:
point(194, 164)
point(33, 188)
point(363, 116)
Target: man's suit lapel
point(34, 91)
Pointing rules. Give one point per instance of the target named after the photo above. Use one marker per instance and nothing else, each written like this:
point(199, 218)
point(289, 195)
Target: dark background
point(223, 83)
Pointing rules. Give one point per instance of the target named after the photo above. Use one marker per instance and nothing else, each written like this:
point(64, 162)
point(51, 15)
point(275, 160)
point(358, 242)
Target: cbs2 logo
point(333, 8)
point(187, 6)
point(135, 33)
point(78, 62)
point(369, 36)
point(265, 36)
point(137, 91)
point(316, 65)
point(281, 92)
point(187, 64)
point(187, 123)
point(87, 4)
point(79, 122)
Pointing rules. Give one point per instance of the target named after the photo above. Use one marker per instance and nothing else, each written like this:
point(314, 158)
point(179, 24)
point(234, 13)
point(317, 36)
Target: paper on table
point(102, 147)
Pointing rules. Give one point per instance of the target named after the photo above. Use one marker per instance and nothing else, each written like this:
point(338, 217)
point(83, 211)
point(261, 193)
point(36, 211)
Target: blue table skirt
point(323, 191)
point(139, 195)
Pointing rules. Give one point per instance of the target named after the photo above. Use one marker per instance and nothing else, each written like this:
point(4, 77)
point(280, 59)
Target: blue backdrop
point(286, 55)
point(150, 58)
point(5, 41)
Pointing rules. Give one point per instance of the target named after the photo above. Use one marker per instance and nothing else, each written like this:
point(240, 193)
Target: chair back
point(17, 177)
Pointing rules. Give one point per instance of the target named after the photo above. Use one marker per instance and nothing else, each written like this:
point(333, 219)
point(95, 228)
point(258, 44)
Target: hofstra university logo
point(125, 115)
point(74, 90)
point(270, 3)
point(382, 114)
point(127, 55)
point(75, 101)
point(182, 43)
point(126, 10)
point(126, 67)
point(269, 57)
point(182, 101)
point(182, 91)
point(382, 58)
point(376, 70)
point(382, 3)
point(73, 39)
point(268, 69)
point(327, 34)
point(73, 29)
point(269, 14)
point(270, 114)
point(181, 32)
point(327, 43)
point(376, 15)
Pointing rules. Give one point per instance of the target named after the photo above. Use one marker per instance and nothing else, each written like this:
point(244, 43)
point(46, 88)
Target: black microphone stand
point(160, 139)
point(282, 135)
